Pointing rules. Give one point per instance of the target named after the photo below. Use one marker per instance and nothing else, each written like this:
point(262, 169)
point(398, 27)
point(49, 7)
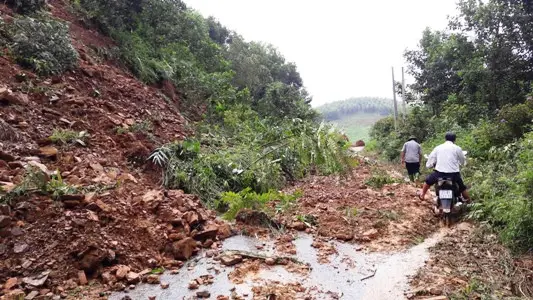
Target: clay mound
point(118, 216)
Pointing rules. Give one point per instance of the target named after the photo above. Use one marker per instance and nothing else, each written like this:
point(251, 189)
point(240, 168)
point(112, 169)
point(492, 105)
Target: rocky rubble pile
point(91, 241)
point(98, 215)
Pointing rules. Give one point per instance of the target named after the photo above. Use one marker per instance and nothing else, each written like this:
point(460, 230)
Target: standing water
point(351, 274)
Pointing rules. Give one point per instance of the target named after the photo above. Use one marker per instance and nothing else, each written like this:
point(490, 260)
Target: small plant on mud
point(308, 220)
point(57, 188)
point(34, 180)
point(379, 179)
point(248, 199)
point(158, 270)
point(287, 202)
point(350, 214)
point(144, 127)
point(66, 137)
point(418, 240)
point(121, 130)
point(390, 215)
point(474, 290)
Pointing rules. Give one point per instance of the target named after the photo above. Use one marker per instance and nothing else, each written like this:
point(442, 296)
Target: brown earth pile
point(123, 222)
point(348, 209)
point(470, 263)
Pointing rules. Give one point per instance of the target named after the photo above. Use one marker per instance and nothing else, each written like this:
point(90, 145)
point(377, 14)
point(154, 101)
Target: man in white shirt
point(412, 156)
point(447, 160)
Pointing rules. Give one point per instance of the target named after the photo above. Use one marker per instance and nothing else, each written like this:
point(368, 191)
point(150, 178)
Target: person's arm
point(461, 156)
point(432, 159)
point(420, 153)
point(402, 154)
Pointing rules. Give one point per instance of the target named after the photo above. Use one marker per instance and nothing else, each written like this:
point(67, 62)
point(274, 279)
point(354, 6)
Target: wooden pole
point(394, 99)
point(404, 97)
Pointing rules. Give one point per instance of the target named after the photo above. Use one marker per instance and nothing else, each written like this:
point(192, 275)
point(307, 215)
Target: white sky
point(342, 48)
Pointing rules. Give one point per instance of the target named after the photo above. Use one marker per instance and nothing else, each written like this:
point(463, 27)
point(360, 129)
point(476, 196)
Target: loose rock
point(203, 294)
point(48, 152)
point(184, 249)
point(31, 295)
point(82, 278)
point(5, 221)
point(230, 260)
point(20, 248)
point(133, 278)
point(152, 279)
point(122, 271)
point(193, 285)
point(10, 283)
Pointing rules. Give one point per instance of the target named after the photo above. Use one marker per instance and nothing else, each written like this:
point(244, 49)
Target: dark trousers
point(456, 177)
point(412, 168)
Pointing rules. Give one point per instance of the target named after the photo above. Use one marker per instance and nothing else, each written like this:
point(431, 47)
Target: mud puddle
point(351, 274)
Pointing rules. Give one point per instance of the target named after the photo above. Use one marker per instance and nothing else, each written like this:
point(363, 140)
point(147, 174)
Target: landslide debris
point(79, 204)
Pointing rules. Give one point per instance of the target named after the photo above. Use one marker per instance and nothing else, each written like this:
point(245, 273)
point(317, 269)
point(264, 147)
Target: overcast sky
point(342, 48)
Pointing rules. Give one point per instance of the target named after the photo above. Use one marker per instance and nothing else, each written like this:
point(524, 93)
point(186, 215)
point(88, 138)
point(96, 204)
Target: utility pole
point(404, 97)
point(394, 99)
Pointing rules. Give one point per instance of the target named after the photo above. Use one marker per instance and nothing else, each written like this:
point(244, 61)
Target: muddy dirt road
point(358, 237)
point(351, 274)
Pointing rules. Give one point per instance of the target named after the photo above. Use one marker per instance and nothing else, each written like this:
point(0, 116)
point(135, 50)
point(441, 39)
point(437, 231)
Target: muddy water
point(351, 274)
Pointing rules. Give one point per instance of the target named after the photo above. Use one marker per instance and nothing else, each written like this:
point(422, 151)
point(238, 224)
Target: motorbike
point(448, 199)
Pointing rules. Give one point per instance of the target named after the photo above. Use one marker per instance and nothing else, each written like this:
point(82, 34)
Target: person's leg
point(466, 196)
point(430, 180)
point(425, 189)
point(462, 187)
point(417, 172)
point(410, 169)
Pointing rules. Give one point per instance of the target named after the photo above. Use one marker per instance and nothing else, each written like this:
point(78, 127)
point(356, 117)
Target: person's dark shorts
point(434, 177)
point(412, 168)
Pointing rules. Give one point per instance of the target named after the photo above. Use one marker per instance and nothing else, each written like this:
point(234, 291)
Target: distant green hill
point(356, 115)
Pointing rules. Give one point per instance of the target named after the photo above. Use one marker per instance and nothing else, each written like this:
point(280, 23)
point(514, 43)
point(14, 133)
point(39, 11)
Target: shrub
point(389, 141)
point(503, 191)
point(251, 153)
point(43, 45)
point(34, 180)
point(379, 179)
point(27, 6)
point(66, 136)
point(248, 199)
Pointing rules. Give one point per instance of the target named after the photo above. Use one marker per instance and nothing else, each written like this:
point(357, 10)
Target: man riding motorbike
point(447, 160)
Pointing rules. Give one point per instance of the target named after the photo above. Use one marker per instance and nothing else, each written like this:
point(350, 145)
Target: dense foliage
point(206, 62)
point(42, 44)
point(474, 78)
point(26, 6)
point(251, 153)
point(338, 109)
point(258, 130)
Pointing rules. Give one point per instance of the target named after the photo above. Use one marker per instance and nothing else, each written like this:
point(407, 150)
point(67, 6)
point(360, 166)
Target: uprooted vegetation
point(254, 156)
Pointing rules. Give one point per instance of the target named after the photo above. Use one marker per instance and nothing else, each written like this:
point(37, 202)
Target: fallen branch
point(369, 276)
point(252, 255)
